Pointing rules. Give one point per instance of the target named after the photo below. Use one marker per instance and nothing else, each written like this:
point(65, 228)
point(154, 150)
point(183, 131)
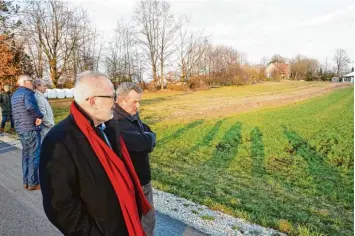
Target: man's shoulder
point(17, 92)
point(117, 114)
point(22, 91)
point(63, 130)
point(18, 95)
point(39, 96)
point(125, 124)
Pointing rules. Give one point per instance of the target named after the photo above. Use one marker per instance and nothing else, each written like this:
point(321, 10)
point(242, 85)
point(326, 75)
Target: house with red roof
point(278, 69)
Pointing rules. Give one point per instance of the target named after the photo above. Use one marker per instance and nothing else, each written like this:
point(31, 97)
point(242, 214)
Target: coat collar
point(121, 113)
point(23, 87)
point(39, 93)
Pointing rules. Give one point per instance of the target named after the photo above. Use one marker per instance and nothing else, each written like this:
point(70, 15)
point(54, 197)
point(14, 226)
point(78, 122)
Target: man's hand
point(153, 137)
point(38, 122)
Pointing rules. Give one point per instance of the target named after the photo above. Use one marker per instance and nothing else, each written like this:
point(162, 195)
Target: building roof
point(351, 74)
point(282, 67)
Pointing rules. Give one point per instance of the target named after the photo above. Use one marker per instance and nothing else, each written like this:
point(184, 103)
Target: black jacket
point(78, 197)
point(5, 102)
point(139, 139)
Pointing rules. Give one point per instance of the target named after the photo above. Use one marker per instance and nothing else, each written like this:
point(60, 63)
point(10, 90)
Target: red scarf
point(120, 172)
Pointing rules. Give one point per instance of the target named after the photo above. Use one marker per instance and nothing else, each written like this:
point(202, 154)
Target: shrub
point(179, 86)
point(151, 87)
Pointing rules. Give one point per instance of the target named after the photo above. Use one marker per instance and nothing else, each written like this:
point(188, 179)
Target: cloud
point(220, 29)
point(329, 17)
point(333, 16)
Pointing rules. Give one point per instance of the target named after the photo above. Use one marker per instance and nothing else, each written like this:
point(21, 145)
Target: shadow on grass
point(206, 179)
point(226, 149)
point(180, 131)
point(207, 139)
point(257, 153)
point(326, 178)
point(256, 199)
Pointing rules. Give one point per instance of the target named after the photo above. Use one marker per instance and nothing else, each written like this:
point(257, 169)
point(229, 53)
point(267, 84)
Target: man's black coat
point(78, 197)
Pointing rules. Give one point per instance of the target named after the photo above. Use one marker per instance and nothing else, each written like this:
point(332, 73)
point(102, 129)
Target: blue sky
point(312, 28)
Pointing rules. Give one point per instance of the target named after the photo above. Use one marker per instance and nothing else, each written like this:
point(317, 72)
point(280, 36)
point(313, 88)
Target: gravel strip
point(205, 220)
point(196, 216)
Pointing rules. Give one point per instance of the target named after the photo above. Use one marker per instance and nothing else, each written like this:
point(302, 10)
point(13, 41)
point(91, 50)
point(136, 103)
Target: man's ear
point(120, 99)
point(92, 103)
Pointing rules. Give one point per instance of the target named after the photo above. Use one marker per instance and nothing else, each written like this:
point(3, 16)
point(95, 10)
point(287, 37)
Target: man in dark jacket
point(140, 141)
point(88, 182)
point(5, 102)
point(27, 118)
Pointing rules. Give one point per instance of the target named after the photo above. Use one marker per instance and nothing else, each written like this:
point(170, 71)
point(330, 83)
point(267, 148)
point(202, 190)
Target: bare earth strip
point(218, 107)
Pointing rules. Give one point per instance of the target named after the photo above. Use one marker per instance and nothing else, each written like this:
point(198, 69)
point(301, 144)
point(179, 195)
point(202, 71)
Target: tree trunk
point(154, 68)
point(162, 77)
point(183, 71)
point(54, 72)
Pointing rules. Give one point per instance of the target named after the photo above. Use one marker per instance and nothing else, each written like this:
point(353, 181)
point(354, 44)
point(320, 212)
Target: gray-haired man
point(27, 119)
point(43, 105)
point(139, 139)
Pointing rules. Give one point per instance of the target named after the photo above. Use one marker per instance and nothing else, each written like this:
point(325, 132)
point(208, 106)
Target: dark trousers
point(6, 118)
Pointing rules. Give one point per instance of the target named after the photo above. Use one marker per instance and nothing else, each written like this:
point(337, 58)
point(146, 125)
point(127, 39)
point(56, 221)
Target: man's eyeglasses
point(113, 97)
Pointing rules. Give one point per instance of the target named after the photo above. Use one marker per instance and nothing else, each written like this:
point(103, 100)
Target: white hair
point(22, 78)
point(87, 84)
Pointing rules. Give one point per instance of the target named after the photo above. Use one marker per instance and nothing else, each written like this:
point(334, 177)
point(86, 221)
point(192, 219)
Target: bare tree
point(88, 50)
point(303, 67)
point(139, 66)
point(277, 59)
point(156, 29)
point(167, 29)
point(37, 55)
point(121, 54)
point(55, 29)
point(341, 60)
point(264, 61)
point(222, 56)
point(147, 21)
point(191, 48)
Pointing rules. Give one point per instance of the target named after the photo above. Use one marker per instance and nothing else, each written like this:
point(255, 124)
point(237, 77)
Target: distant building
point(335, 80)
point(348, 77)
point(281, 69)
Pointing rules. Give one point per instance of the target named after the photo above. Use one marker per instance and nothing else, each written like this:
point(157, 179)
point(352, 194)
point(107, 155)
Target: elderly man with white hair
point(88, 182)
point(40, 87)
point(28, 118)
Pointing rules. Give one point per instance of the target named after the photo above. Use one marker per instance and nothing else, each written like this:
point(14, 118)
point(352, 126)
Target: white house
point(348, 77)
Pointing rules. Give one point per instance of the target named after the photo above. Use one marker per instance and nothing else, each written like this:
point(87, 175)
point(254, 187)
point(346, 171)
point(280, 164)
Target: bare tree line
point(59, 38)
point(61, 41)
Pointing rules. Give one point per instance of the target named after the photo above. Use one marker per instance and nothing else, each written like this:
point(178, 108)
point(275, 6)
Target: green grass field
point(289, 168)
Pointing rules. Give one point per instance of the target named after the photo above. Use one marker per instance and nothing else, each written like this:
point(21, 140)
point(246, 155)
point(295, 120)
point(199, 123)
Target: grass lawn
point(289, 168)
